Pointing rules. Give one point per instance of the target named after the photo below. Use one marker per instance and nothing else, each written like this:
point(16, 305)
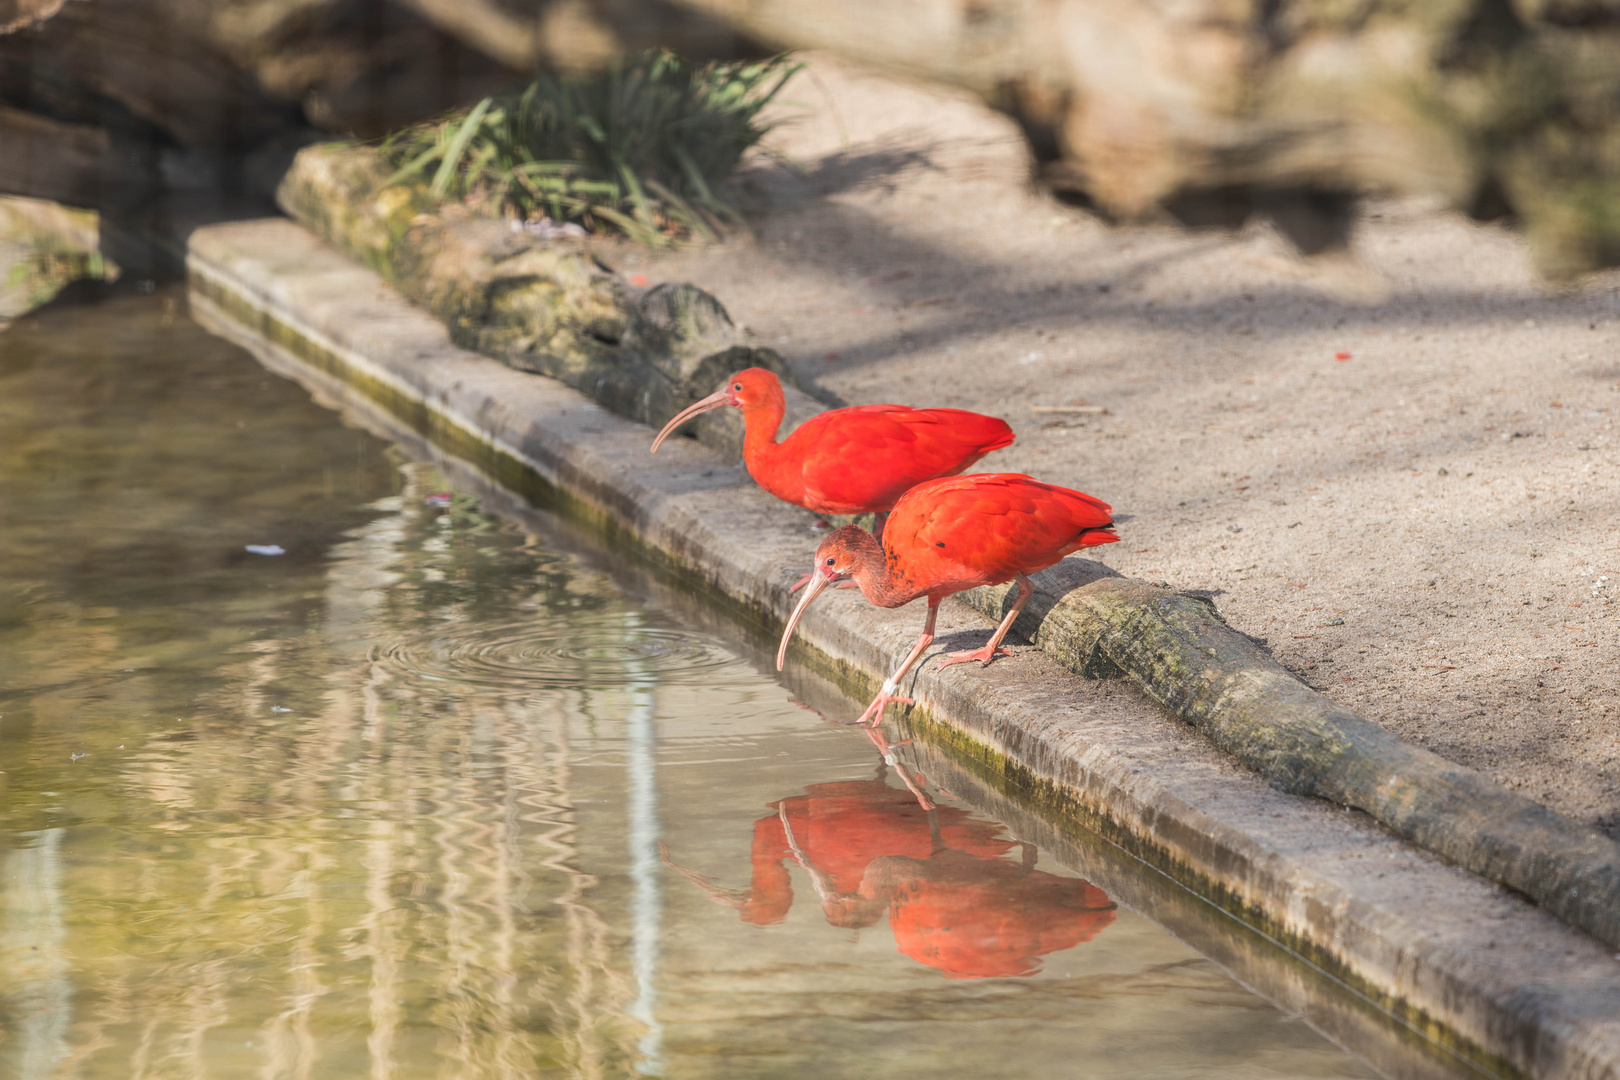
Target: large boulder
point(45, 247)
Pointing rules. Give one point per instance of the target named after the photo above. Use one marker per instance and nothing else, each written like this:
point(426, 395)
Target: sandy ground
point(1398, 469)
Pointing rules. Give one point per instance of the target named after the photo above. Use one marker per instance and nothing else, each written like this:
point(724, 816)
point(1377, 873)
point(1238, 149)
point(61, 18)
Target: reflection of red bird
point(847, 461)
point(952, 534)
point(841, 827)
point(979, 918)
point(955, 902)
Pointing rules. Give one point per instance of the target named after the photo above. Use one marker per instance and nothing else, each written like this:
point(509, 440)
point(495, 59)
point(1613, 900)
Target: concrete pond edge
point(274, 285)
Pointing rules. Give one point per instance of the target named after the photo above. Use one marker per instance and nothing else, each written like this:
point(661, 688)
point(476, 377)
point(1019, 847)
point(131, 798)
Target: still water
point(426, 795)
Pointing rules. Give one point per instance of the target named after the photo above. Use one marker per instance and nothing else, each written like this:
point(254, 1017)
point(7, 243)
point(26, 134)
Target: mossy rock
point(550, 307)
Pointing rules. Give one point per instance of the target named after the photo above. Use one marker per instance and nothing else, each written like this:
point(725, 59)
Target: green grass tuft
point(643, 148)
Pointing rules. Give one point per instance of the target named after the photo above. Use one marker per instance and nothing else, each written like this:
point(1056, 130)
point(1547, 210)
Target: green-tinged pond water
point(425, 796)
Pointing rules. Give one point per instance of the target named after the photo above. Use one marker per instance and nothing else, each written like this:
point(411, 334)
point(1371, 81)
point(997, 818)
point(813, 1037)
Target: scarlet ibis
point(952, 534)
point(954, 899)
point(847, 461)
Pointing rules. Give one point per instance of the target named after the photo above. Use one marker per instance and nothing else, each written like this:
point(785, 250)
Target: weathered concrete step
point(1470, 964)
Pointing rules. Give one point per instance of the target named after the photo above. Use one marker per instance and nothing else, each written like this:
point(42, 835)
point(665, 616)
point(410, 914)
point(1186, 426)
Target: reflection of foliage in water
point(278, 855)
point(475, 610)
point(134, 468)
point(387, 869)
point(459, 560)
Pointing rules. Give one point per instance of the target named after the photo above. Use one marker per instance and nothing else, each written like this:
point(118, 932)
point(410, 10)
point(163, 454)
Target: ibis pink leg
point(992, 648)
point(886, 748)
point(874, 712)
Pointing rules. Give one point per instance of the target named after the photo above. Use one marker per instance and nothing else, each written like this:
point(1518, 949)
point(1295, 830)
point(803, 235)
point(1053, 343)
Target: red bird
point(954, 900)
point(847, 461)
point(952, 534)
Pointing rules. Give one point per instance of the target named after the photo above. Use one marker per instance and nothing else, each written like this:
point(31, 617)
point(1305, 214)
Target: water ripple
point(553, 654)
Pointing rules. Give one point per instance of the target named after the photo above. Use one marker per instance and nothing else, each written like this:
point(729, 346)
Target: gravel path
point(1399, 468)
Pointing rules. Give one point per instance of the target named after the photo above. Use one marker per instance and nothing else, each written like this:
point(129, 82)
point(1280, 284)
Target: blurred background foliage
point(160, 113)
point(644, 147)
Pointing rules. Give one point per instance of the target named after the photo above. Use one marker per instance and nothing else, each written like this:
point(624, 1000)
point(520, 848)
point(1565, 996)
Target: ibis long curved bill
point(717, 400)
point(818, 583)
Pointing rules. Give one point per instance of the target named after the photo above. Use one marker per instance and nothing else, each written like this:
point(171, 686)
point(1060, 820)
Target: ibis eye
point(736, 386)
point(831, 561)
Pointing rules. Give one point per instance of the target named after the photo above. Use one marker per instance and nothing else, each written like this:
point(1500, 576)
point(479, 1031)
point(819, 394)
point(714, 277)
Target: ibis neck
point(873, 572)
point(761, 422)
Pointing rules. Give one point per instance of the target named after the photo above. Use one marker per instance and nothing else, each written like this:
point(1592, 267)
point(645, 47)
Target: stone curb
point(1470, 965)
point(1184, 657)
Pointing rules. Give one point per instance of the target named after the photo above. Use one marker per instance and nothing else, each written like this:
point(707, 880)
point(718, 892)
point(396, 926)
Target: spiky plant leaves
point(644, 148)
point(457, 145)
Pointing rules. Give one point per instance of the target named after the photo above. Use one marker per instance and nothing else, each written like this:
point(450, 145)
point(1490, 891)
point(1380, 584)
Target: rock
point(17, 14)
point(537, 305)
point(46, 159)
point(43, 248)
point(1207, 112)
point(223, 75)
point(230, 76)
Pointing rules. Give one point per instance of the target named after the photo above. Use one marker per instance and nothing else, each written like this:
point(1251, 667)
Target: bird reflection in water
point(956, 898)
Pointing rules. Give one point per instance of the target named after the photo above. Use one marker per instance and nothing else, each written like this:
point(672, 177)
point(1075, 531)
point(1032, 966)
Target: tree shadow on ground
point(954, 293)
point(788, 184)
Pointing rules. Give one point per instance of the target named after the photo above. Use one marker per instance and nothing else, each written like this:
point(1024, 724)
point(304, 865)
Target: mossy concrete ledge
point(1494, 979)
point(1217, 679)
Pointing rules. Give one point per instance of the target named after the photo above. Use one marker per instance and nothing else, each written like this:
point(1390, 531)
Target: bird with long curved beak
point(717, 400)
point(949, 535)
point(846, 461)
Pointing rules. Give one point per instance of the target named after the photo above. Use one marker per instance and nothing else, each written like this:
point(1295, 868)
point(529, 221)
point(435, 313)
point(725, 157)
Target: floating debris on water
point(266, 549)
